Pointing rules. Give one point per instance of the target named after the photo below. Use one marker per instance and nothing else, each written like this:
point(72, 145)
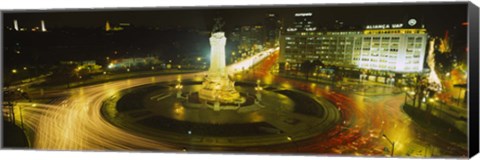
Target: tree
point(335, 72)
point(64, 73)
point(307, 67)
point(318, 63)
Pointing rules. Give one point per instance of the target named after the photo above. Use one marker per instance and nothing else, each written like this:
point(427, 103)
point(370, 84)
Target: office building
point(381, 49)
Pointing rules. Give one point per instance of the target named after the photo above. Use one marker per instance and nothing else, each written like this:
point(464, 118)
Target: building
point(134, 62)
point(107, 26)
point(248, 39)
point(381, 50)
point(42, 25)
point(303, 22)
point(272, 30)
point(15, 25)
point(119, 27)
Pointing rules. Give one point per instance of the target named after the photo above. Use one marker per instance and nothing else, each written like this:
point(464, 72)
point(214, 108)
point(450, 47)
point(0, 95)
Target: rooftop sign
point(384, 26)
point(303, 14)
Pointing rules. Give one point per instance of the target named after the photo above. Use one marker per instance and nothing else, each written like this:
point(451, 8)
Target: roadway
point(367, 117)
point(73, 121)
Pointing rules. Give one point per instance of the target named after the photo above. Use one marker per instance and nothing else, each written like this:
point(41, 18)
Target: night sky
point(436, 17)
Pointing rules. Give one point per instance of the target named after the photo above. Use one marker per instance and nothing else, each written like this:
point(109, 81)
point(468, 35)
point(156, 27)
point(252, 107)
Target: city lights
point(395, 84)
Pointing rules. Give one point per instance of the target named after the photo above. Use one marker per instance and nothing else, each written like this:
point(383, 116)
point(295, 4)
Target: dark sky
point(436, 17)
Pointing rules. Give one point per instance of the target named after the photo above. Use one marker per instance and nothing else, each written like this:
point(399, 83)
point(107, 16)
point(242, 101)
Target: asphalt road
point(367, 117)
point(73, 121)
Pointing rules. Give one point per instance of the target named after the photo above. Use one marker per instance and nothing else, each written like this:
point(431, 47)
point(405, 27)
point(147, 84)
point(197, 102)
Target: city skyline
point(202, 19)
point(386, 80)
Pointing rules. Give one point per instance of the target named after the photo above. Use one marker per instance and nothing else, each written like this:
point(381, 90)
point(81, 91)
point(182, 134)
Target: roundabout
point(162, 112)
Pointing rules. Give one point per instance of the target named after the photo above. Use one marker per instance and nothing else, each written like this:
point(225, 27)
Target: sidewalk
point(327, 81)
point(437, 125)
point(364, 88)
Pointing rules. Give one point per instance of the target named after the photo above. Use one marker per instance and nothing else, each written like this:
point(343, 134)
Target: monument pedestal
point(217, 87)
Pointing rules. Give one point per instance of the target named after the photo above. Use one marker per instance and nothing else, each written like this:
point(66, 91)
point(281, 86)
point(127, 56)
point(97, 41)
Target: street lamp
point(253, 66)
point(258, 89)
point(21, 116)
point(179, 87)
point(392, 143)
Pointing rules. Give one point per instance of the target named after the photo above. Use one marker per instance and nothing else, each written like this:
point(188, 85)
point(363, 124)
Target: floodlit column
point(217, 57)
point(15, 25)
point(44, 29)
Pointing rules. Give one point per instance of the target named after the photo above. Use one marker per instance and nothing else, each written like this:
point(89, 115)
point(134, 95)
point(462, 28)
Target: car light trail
point(76, 123)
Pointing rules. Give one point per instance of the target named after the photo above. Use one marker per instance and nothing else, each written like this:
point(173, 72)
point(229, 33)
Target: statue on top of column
point(217, 27)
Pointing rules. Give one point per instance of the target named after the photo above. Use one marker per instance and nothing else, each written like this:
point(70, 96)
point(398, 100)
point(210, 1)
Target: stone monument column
point(217, 86)
point(217, 56)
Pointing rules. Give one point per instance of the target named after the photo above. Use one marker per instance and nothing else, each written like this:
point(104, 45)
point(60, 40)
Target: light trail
point(366, 118)
point(76, 123)
point(251, 61)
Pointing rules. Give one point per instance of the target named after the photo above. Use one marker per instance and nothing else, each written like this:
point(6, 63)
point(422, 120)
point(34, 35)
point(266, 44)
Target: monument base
point(220, 89)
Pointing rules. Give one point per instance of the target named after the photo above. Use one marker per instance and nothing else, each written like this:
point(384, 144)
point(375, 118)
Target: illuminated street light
point(392, 143)
point(289, 138)
point(14, 71)
point(179, 87)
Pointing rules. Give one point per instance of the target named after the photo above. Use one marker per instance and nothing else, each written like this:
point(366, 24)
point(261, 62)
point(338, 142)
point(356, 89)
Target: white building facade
point(389, 48)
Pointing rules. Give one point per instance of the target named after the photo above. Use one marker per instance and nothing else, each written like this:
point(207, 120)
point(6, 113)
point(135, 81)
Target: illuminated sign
point(311, 29)
point(303, 14)
point(412, 22)
point(384, 26)
point(291, 29)
point(400, 25)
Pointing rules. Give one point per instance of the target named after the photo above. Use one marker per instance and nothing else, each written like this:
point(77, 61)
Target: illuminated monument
point(217, 86)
